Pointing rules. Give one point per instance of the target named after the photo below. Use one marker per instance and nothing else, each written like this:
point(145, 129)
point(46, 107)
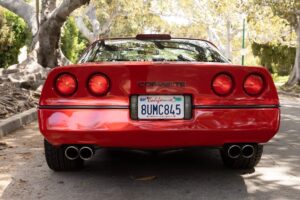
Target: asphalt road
point(183, 174)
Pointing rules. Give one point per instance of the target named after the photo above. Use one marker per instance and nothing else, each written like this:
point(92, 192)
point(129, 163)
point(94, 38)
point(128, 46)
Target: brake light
point(222, 84)
point(254, 85)
point(98, 85)
point(153, 37)
point(66, 84)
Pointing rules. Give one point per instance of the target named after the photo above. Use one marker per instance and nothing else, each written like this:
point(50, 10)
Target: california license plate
point(161, 107)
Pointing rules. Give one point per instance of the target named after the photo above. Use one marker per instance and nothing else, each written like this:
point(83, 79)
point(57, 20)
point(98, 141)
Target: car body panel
point(126, 76)
point(114, 128)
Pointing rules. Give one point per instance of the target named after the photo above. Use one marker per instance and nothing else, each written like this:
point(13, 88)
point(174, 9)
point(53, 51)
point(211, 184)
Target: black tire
point(56, 160)
point(241, 162)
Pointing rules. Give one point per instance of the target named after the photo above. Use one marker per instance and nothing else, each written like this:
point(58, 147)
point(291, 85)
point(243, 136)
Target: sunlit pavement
point(183, 174)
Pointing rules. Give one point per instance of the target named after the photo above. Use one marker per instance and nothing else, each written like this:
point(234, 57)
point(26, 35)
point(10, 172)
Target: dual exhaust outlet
point(86, 152)
point(73, 152)
point(246, 151)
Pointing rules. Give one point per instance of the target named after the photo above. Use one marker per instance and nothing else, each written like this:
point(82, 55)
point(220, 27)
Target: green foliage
point(277, 58)
point(279, 80)
point(287, 9)
point(128, 17)
point(72, 42)
point(13, 36)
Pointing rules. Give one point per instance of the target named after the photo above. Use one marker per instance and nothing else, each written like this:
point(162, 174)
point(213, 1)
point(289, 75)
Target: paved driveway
point(186, 174)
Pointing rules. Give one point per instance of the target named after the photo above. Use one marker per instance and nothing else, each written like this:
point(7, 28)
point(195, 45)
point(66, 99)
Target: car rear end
point(217, 105)
point(160, 105)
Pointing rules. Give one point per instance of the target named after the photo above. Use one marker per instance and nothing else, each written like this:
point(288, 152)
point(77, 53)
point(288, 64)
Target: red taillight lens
point(98, 84)
point(254, 85)
point(222, 84)
point(66, 84)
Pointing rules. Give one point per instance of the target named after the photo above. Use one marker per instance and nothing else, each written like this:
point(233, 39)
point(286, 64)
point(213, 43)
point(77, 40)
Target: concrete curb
point(17, 121)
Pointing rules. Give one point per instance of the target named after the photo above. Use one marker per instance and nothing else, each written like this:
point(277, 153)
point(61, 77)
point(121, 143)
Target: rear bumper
point(114, 128)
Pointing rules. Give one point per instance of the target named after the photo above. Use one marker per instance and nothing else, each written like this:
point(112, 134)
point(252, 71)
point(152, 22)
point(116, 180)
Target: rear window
point(173, 50)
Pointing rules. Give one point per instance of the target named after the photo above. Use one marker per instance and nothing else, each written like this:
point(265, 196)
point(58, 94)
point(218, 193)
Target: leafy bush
point(72, 41)
point(277, 58)
point(13, 35)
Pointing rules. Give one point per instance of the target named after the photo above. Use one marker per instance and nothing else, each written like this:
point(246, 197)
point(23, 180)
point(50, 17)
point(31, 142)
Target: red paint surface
point(114, 128)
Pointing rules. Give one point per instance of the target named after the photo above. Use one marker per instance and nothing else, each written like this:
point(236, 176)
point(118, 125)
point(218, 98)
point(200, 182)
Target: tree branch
point(106, 27)
point(47, 7)
point(91, 13)
point(24, 10)
point(94, 34)
point(83, 29)
point(37, 13)
point(62, 12)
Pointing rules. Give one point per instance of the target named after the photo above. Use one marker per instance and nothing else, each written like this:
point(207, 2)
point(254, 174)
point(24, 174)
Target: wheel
point(56, 160)
point(242, 162)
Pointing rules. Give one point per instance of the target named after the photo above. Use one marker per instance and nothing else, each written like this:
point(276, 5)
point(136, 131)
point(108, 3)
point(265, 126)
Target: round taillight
point(66, 84)
point(222, 84)
point(98, 84)
point(254, 85)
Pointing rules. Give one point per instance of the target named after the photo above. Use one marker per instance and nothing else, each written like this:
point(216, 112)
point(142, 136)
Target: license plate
point(161, 107)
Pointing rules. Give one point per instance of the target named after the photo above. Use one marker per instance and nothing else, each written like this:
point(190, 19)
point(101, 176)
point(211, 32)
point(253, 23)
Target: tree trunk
point(47, 7)
point(228, 46)
point(294, 77)
point(46, 33)
point(50, 29)
point(97, 31)
point(49, 35)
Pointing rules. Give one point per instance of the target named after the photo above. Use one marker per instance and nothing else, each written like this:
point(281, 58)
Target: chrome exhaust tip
point(234, 151)
point(86, 153)
point(247, 151)
point(71, 152)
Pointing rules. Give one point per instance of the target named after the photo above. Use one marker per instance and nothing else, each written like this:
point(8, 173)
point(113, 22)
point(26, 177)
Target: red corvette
point(156, 92)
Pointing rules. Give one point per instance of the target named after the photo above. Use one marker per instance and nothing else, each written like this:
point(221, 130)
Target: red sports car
point(155, 92)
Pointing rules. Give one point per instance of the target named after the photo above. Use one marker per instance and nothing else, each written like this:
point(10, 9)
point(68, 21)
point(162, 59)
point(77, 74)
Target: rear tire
point(56, 160)
point(241, 162)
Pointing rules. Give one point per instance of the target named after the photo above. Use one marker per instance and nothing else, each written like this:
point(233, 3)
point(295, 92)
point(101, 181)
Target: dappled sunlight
point(291, 131)
point(20, 148)
point(290, 106)
point(5, 179)
point(176, 174)
point(290, 117)
point(283, 148)
point(277, 175)
point(280, 175)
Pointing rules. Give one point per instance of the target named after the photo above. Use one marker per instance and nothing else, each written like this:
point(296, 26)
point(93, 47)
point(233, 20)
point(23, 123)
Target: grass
point(279, 80)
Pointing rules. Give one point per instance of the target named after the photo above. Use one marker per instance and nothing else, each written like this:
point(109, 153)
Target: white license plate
point(161, 107)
